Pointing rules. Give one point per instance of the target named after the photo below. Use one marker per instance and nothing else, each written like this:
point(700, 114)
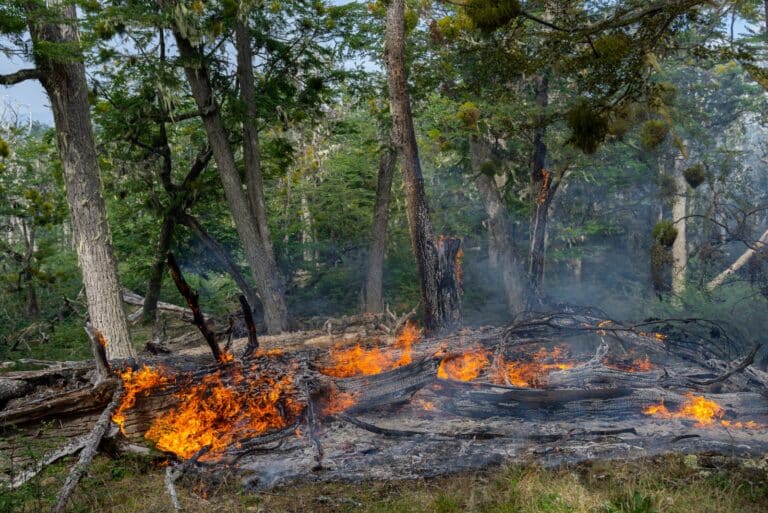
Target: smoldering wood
point(407, 422)
point(98, 347)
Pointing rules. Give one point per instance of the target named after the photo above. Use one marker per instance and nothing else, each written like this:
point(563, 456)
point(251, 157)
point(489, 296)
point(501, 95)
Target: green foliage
point(613, 48)
point(5, 148)
point(490, 15)
point(13, 19)
point(469, 115)
point(653, 133)
point(695, 175)
point(588, 125)
point(665, 233)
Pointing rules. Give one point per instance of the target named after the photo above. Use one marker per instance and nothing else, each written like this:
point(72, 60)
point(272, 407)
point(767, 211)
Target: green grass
point(660, 485)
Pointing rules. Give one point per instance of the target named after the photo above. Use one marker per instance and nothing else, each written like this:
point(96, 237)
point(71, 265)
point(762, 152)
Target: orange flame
point(356, 361)
point(698, 408)
point(704, 411)
point(218, 414)
point(463, 367)
point(336, 401)
point(529, 373)
point(135, 384)
point(638, 365)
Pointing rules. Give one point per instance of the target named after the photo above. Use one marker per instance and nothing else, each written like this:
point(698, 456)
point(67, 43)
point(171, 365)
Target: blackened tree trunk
point(260, 257)
point(155, 282)
point(64, 81)
point(374, 301)
point(542, 193)
point(436, 260)
point(507, 261)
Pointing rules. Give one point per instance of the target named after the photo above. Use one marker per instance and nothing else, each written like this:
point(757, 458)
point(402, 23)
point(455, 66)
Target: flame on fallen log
point(357, 361)
point(465, 366)
point(638, 365)
point(704, 411)
point(137, 383)
point(219, 412)
point(335, 401)
point(529, 374)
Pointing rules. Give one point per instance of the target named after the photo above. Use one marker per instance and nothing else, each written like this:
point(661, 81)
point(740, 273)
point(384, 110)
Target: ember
point(704, 411)
point(357, 361)
point(529, 373)
point(463, 367)
point(638, 365)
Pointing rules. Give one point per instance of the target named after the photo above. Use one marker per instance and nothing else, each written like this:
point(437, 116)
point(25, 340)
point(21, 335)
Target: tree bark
point(679, 247)
point(439, 283)
point(374, 296)
point(500, 223)
point(64, 82)
point(260, 257)
point(149, 310)
point(251, 149)
point(541, 196)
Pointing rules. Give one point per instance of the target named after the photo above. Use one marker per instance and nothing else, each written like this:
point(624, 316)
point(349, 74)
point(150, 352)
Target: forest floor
point(674, 484)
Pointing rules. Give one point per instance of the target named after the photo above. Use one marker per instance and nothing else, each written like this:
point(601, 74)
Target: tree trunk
point(679, 247)
point(541, 196)
point(64, 81)
point(149, 310)
point(251, 150)
point(437, 275)
point(224, 259)
point(501, 231)
point(374, 296)
point(260, 257)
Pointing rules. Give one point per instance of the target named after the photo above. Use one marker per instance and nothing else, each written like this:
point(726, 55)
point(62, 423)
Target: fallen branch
point(748, 360)
point(134, 299)
point(174, 472)
point(67, 450)
point(88, 452)
point(193, 302)
point(739, 263)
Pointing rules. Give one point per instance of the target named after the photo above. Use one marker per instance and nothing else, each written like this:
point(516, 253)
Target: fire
point(704, 411)
point(336, 401)
point(219, 413)
point(529, 373)
point(356, 361)
point(135, 384)
point(463, 367)
point(638, 365)
point(698, 408)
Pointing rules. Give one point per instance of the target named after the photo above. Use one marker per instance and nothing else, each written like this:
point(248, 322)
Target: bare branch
point(19, 76)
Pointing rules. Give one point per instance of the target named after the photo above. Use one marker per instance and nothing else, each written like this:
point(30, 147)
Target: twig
point(174, 472)
point(89, 451)
point(193, 302)
point(749, 360)
point(71, 448)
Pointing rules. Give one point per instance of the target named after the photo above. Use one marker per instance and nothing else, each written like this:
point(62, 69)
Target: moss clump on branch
point(488, 168)
point(695, 175)
point(588, 127)
point(490, 15)
point(612, 48)
point(653, 133)
point(665, 233)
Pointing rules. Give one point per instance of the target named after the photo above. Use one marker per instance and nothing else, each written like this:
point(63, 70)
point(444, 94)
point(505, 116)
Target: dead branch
point(748, 360)
point(67, 450)
point(88, 452)
point(193, 302)
point(253, 340)
point(174, 472)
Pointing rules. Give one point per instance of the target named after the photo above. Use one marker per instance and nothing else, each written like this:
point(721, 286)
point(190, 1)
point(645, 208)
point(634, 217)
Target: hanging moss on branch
point(653, 133)
point(665, 233)
point(695, 175)
point(490, 15)
point(588, 127)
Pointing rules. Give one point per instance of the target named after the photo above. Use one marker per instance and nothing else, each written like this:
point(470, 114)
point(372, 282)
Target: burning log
point(193, 302)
